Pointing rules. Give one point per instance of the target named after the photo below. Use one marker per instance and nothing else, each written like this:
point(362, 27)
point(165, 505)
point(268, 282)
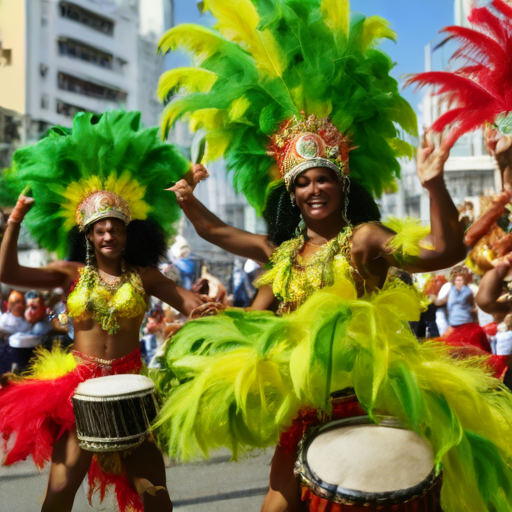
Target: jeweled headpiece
point(304, 143)
point(102, 205)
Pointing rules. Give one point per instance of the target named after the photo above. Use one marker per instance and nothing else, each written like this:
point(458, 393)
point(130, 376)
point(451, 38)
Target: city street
point(214, 485)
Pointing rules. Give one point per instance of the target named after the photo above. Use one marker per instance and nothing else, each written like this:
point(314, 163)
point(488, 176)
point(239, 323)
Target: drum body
point(351, 465)
point(114, 413)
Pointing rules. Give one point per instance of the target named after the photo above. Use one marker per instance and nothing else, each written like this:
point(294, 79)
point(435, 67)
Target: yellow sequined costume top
point(106, 303)
point(294, 278)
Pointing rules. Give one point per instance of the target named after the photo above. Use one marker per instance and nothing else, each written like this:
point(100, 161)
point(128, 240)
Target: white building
point(60, 57)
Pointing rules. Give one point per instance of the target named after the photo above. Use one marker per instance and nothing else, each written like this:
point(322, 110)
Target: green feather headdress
point(112, 154)
point(269, 60)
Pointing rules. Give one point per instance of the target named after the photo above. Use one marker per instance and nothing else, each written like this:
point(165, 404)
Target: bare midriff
point(91, 340)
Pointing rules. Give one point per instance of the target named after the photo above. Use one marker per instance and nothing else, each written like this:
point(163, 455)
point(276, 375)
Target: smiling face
point(318, 194)
point(108, 237)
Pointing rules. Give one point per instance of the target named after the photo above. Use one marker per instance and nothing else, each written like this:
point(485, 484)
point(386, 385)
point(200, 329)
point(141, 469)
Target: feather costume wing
point(281, 58)
point(243, 383)
point(481, 89)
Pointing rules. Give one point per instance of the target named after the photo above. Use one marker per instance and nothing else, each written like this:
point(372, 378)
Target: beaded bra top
point(294, 278)
point(105, 302)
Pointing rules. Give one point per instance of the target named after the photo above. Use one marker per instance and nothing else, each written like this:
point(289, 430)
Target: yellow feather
point(190, 79)
point(310, 105)
point(238, 21)
point(375, 28)
point(201, 42)
point(238, 108)
point(129, 188)
point(51, 365)
point(337, 14)
point(216, 144)
point(402, 148)
point(208, 118)
point(171, 113)
point(124, 186)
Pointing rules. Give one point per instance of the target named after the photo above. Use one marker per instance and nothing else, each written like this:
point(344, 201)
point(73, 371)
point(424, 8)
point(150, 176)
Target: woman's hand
point(184, 188)
point(500, 146)
point(431, 162)
point(22, 207)
point(208, 309)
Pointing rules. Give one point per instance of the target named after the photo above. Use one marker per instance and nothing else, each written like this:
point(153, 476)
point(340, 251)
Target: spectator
point(35, 314)
point(15, 328)
point(464, 330)
point(13, 320)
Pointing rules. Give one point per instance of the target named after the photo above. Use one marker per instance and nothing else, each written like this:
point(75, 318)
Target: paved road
point(216, 485)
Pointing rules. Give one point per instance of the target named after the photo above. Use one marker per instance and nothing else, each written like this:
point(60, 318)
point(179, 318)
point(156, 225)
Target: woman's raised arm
point(11, 272)
point(214, 230)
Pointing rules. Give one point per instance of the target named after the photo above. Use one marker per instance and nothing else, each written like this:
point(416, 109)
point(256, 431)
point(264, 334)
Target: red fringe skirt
point(35, 413)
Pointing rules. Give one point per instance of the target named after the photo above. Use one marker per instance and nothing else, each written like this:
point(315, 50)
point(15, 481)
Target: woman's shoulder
point(371, 234)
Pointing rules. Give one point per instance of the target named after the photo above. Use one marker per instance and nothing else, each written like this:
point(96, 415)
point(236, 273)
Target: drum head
point(355, 459)
point(114, 386)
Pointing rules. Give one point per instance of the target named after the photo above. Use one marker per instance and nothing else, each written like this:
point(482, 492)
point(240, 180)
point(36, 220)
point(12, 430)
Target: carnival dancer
point(97, 197)
point(298, 100)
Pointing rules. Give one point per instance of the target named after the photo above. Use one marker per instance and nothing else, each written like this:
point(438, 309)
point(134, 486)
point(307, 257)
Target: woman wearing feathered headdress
point(98, 197)
point(298, 100)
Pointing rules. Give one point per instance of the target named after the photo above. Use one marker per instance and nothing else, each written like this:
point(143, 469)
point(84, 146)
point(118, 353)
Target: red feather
point(503, 8)
point(481, 88)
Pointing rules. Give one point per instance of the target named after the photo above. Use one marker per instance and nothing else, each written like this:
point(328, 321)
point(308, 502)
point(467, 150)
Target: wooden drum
point(354, 465)
point(114, 413)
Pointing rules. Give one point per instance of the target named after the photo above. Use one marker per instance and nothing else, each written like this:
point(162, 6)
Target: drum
point(114, 413)
point(351, 465)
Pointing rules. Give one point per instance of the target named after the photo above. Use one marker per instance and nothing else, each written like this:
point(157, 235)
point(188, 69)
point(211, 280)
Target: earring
point(88, 252)
point(292, 198)
point(346, 192)
point(301, 229)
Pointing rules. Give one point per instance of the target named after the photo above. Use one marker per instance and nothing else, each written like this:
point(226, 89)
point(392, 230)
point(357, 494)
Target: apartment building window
point(77, 50)
point(71, 83)
point(68, 110)
point(92, 20)
point(45, 101)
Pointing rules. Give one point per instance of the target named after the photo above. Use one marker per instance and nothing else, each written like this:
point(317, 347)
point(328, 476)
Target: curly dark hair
point(146, 244)
point(282, 216)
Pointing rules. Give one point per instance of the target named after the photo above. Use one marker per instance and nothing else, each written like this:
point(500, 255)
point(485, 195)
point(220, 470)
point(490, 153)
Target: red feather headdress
point(481, 90)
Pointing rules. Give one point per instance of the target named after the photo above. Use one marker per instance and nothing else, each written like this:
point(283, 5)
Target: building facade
point(61, 57)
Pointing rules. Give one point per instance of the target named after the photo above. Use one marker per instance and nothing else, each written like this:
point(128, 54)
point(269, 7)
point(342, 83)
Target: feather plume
point(243, 382)
point(238, 21)
point(337, 15)
point(113, 154)
point(277, 58)
point(190, 79)
point(201, 42)
point(480, 90)
point(376, 28)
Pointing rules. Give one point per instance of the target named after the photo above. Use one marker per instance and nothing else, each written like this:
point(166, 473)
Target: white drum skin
point(114, 386)
point(353, 462)
point(370, 458)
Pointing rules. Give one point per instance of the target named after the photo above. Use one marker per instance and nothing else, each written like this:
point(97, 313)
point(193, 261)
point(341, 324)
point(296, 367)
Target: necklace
point(294, 278)
point(117, 281)
point(309, 242)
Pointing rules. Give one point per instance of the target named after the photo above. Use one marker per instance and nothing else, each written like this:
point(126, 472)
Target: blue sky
point(417, 22)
